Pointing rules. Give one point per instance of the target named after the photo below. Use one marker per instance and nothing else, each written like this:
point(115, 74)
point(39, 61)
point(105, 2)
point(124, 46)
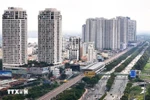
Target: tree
point(63, 76)
point(61, 70)
point(67, 65)
point(148, 91)
point(147, 97)
point(124, 98)
point(86, 80)
point(50, 75)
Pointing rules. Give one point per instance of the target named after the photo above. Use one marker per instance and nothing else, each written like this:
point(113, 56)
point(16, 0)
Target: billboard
point(133, 73)
point(19, 71)
point(89, 73)
point(5, 73)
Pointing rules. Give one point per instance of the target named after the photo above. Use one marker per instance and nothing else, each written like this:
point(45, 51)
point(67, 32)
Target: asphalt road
point(99, 89)
point(118, 87)
point(63, 87)
point(121, 81)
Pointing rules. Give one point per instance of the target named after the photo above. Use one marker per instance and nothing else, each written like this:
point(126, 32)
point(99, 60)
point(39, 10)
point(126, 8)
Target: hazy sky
point(75, 12)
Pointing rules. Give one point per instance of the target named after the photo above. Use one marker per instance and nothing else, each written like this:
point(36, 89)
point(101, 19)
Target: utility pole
point(144, 89)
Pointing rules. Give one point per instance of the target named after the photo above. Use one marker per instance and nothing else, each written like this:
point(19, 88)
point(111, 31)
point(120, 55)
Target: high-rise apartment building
point(131, 31)
point(14, 34)
point(50, 36)
point(100, 33)
point(83, 33)
point(84, 48)
point(103, 33)
point(90, 30)
point(74, 48)
point(123, 30)
point(112, 34)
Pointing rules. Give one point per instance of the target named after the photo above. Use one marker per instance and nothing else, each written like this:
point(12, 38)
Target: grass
point(140, 97)
point(147, 66)
point(146, 70)
point(135, 93)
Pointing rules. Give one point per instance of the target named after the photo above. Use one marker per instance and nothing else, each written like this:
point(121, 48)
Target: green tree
point(50, 75)
point(61, 70)
point(63, 76)
point(67, 65)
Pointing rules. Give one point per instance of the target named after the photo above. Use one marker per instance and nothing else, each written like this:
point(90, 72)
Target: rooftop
point(15, 9)
point(2, 82)
point(99, 64)
point(36, 64)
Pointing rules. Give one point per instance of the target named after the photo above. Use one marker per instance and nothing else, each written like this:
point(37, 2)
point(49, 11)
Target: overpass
point(52, 94)
point(139, 83)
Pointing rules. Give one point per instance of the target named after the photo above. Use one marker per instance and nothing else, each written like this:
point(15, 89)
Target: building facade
point(131, 31)
point(109, 34)
point(14, 34)
point(74, 48)
point(50, 36)
point(83, 33)
point(68, 71)
point(91, 52)
point(123, 31)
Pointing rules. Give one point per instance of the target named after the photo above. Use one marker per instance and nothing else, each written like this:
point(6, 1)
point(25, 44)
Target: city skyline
point(112, 33)
point(95, 58)
point(76, 12)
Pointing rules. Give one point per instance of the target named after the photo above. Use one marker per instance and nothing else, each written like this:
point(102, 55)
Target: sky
point(75, 12)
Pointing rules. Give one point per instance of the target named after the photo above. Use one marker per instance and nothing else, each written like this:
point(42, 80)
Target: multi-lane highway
point(120, 81)
point(73, 81)
point(99, 89)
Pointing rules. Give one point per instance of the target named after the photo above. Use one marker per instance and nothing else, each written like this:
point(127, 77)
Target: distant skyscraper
point(131, 30)
point(107, 35)
point(123, 30)
point(90, 30)
point(50, 36)
point(112, 33)
point(103, 33)
point(83, 33)
point(100, 33)
point(14, 33)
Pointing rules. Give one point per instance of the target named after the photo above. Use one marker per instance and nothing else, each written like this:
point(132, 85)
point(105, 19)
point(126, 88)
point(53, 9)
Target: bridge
point(119, 74)
point(139, 83)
